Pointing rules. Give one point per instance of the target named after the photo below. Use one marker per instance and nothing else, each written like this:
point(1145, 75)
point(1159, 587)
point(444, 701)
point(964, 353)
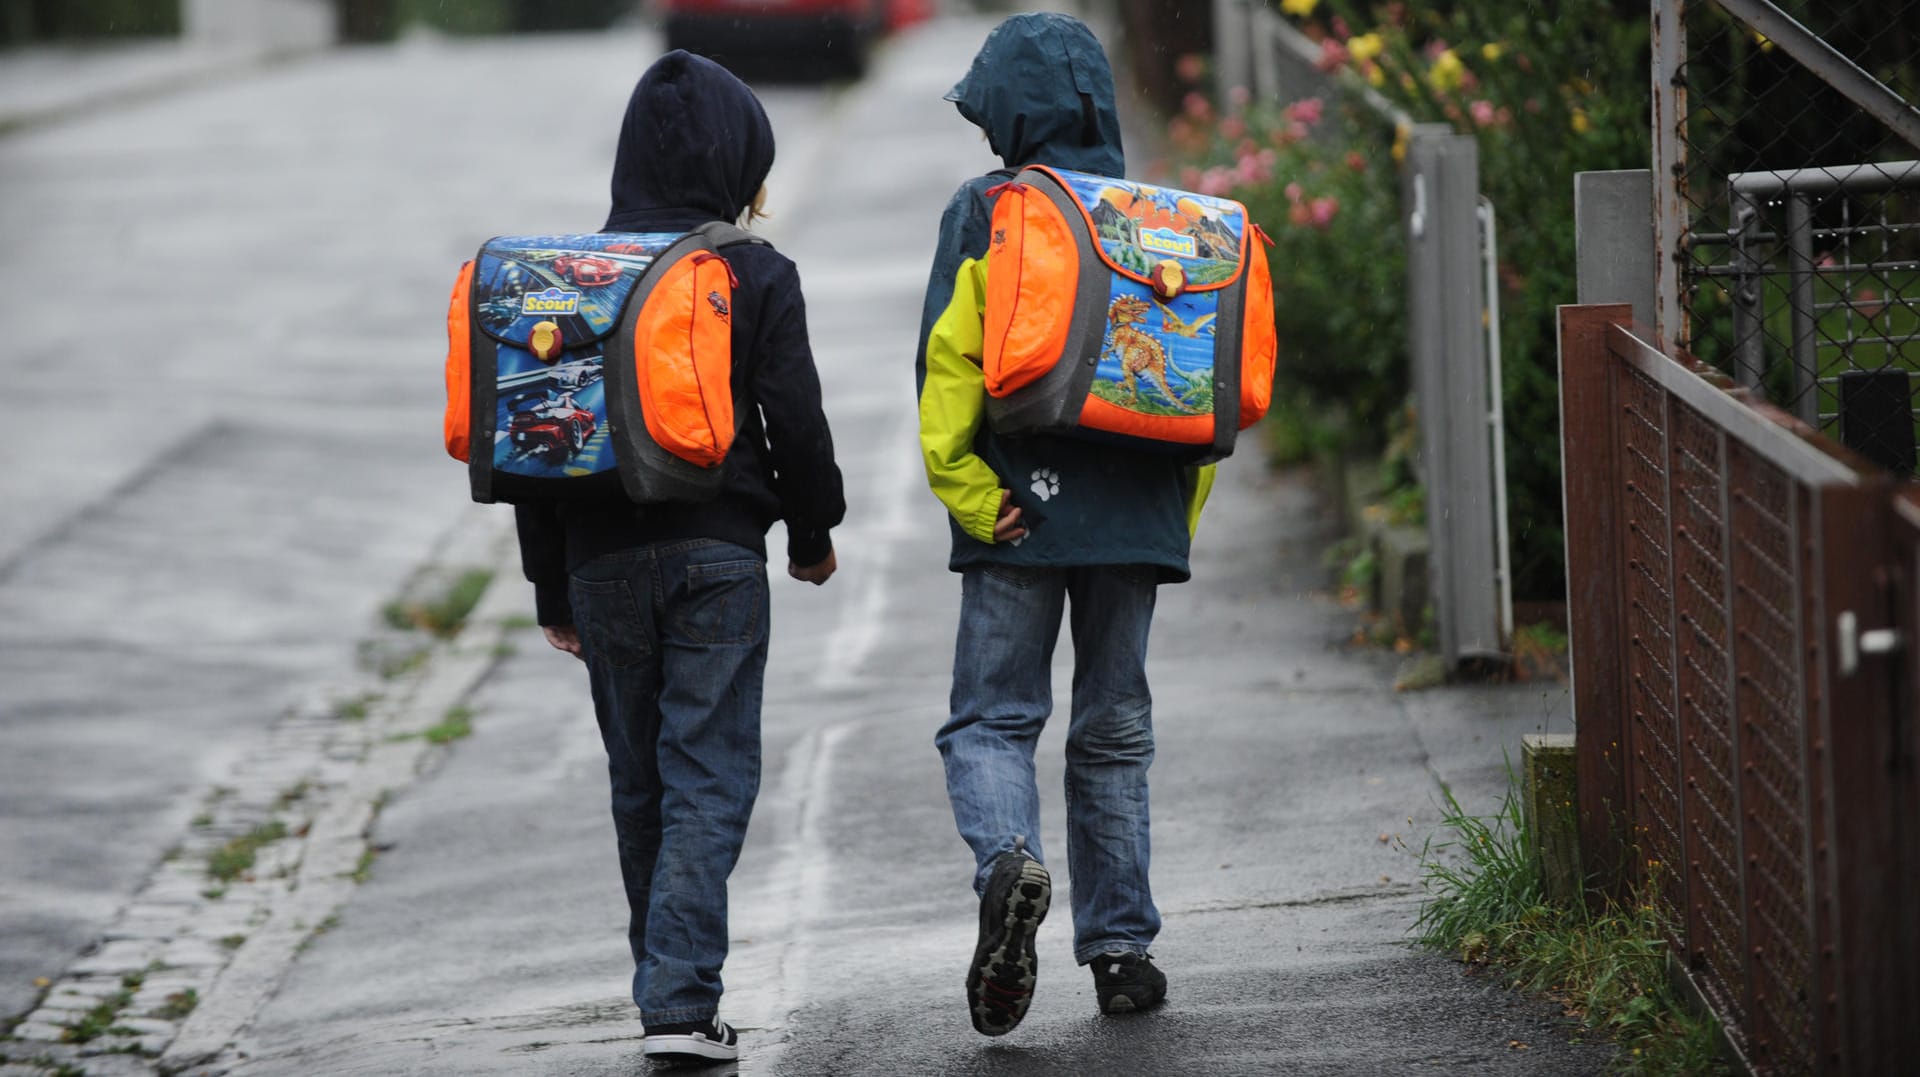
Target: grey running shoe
point(1127, 983)
point(1000, 981)
point(692, 1042)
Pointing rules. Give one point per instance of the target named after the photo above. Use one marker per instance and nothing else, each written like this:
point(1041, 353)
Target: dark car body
point(551, 429)
point(831, 35)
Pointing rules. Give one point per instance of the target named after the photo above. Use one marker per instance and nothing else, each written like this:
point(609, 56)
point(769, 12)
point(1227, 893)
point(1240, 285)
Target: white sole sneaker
point(693, 1047)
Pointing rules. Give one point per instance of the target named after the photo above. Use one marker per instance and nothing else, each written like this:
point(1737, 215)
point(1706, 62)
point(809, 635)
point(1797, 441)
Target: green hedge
point(23, 21)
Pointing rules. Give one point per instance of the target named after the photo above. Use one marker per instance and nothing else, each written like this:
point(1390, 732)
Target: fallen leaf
point(41, 981)
point(1385, 839)
point(1516, 1045)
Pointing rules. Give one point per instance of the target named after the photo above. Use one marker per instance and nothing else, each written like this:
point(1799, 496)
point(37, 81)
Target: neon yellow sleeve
point(1202, 479)
point(953, 401)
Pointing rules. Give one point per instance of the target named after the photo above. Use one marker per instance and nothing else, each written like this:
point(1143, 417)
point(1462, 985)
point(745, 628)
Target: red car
point(551, 428)
point(586, 270)
point(838, 33)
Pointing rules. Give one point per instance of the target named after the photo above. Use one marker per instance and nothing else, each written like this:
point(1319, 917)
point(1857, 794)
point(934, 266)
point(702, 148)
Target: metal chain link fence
point(1799, 255)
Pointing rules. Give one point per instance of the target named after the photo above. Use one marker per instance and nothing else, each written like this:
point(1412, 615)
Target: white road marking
point(863, 618)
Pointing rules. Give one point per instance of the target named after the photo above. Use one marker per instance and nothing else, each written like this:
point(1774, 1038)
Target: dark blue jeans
point(675, 638)
point(1002, 695)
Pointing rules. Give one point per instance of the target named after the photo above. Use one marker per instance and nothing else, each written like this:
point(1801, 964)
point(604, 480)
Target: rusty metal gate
point(1744, 718)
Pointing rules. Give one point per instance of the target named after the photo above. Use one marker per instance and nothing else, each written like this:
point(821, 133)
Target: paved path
point(485, 935)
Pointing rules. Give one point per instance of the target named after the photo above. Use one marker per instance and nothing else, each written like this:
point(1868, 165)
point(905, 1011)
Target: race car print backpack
point(1125, 312)
point(594, 366)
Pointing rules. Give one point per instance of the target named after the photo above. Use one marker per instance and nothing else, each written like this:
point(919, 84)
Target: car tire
point(579, 438)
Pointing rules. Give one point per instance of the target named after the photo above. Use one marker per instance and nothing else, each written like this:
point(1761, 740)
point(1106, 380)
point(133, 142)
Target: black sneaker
point(1127, 983)
point(712, 1040)
point(1000, 981)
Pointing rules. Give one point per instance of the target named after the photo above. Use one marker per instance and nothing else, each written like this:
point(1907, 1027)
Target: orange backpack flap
point(1258, 343)
point(683, 358)
point(457, 425)
point(1033, 266)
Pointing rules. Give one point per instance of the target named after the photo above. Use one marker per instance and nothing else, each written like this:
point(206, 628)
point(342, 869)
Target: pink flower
point(1333, 56)
point(1323, 210)
point(1299, 214)
point(1867, 302)
point(1294, 132)
point(1190, 68)
point(1434, 48)
point(1340, 29)
point(1246, 146)
point(1483, 112)
point(1233, 128)
point(1355, 161)
point(1294, 192)
point(1248, 170)
point(1240, 96)
point(1215, 181)
point(1197, 106)
point(1179, 130)
point(1504, 117)
point(1269, 160)
point(1307, 111)
point(1189, 177)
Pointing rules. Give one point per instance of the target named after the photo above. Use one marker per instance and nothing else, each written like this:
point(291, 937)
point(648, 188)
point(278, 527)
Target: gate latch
point(1853, 643)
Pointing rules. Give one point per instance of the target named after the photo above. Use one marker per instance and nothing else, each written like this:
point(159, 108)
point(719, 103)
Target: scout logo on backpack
point(1126, 312)
point(593, 365)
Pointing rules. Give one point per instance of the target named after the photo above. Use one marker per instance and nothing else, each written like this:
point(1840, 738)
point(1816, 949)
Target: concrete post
point(273, 25)
point(1447, 308)
point(1613, 240)
point(1551, 791)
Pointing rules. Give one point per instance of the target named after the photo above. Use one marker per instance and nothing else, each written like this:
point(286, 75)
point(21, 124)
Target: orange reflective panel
point(1033, 271)
point(683, 360)
point(1258, 343)
point(1098, 414)
point(456, 425)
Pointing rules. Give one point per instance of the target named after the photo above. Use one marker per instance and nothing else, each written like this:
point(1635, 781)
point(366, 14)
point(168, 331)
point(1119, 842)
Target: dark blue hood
point(694, 139)
point(1041, 89)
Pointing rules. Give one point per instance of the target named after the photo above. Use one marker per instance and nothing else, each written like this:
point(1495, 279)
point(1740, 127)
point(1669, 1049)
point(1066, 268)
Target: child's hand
point(815, 574)
point(1008, 527)
point(564, 638)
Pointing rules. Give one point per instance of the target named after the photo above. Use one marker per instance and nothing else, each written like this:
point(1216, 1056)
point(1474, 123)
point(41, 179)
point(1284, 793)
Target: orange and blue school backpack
point(1126, 312)
point(594, 366)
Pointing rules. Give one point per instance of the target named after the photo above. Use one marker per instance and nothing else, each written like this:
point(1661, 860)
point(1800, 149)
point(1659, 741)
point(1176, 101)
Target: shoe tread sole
point(1005, 962)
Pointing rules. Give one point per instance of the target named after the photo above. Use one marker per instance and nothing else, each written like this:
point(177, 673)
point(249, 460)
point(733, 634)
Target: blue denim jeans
point(675, 638)
point(1002, 695)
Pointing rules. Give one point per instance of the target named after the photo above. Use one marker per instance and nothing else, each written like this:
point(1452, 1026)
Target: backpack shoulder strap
point(724, 234)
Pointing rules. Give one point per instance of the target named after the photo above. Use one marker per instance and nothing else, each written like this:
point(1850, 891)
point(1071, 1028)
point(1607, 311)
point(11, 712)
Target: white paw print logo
point(1046, 483)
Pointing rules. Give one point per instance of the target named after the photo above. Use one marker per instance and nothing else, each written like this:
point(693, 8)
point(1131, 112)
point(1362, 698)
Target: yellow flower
point(1375, 76)
point(1364, 47)
point(1401, 134)
point(1492, 50)
point(1447, 71)
point(1581, 125)
point(1301, 8)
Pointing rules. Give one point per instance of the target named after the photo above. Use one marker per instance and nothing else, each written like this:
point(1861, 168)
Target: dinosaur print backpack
point(593, 366)
point(1126, 312)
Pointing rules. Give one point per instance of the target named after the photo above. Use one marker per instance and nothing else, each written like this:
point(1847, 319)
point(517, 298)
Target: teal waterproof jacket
point(1042, 91)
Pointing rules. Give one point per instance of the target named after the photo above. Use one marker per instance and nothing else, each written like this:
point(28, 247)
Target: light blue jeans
point(675, 638)
point(1002, 696)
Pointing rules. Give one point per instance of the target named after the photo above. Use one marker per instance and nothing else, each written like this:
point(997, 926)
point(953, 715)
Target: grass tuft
point(97, 1021)
point(235, 858)
point(443, 614)
point(1606, 968)
point(177, 1005)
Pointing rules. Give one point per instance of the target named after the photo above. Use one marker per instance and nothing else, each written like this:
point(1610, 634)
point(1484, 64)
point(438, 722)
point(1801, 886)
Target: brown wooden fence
point(1738, 591)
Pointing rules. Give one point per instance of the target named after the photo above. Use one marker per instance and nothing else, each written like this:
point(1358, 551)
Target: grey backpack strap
point(723, 234)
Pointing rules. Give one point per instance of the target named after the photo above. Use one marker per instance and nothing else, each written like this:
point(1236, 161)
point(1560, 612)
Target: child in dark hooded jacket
point(667, 603)
point(1040, 523)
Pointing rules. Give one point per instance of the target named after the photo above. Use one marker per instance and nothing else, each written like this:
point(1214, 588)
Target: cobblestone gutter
point(271, 860)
